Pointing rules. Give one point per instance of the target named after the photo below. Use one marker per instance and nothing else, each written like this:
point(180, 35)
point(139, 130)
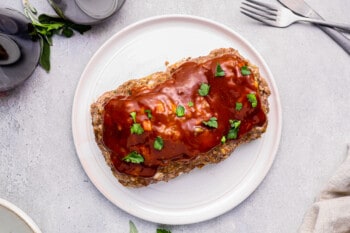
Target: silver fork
point(280, 16)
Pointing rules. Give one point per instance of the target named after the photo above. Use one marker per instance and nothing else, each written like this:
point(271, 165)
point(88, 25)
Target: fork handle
point(338, 37)
point(341, 26)
point(333, 33)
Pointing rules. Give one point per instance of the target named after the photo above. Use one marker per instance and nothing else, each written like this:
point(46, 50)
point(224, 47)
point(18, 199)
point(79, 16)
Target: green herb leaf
point(204, 89)
point(67, 32)
point(239, 106)
point(180, 111)
point(149, 113)
point(190, 104)
point(219, 71)
point(211, 123)
point(233, 132)
point(133, 228)
point(158, 143)
point(80, 28)
point(134, 157)
point(163, 231)
point(44, 27)
point(245, 70)
point(136, 128)
point(234, 123)
point(133, 116)
point(252, 99)
point(46, 19)
point(44, 60)
point(223, 139)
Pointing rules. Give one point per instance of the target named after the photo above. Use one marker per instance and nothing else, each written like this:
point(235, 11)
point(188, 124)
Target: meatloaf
point(193, 114)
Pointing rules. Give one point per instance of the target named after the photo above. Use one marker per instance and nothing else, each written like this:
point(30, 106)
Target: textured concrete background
point(40, 172)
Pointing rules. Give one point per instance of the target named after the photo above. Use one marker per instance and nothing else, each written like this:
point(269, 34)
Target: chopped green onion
point(149, 113)
point(136, 128)
point(245, 70)
point(219, 71)
point(233, 132)
point(204, 89)
point(133, 116)
point(180, 111)
point(211, 123)
point(252, 99)
point(134, 157)
point(223, 139)
point(158, 143)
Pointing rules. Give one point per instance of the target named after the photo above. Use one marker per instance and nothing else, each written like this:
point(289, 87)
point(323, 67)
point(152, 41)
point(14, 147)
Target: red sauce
point(184, 137)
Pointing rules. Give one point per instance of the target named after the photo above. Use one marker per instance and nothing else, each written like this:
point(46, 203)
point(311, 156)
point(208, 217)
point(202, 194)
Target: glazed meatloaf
point(195, 113)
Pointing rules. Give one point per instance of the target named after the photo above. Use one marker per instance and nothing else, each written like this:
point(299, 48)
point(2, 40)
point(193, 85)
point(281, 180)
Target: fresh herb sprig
point(133, 229)
point(44, 27)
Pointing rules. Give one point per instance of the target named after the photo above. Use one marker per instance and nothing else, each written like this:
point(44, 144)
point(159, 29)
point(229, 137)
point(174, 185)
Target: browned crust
point(175, 168)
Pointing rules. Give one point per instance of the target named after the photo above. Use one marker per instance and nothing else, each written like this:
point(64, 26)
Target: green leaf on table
point(163, 231)
point(46, 19)
point(67, 32)
point(80, 28)
point(45, 55)
point(133, 228)
point(44, 27)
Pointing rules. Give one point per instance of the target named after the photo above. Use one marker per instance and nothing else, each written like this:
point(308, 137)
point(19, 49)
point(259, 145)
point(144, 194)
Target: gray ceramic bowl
point(86, 12)
point(14, 27)
point(10, 52)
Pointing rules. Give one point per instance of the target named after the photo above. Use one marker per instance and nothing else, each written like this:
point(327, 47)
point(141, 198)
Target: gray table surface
point(40, 172)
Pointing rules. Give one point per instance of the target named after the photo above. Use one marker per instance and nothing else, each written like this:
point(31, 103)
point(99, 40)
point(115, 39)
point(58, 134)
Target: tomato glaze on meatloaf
point(195, 113)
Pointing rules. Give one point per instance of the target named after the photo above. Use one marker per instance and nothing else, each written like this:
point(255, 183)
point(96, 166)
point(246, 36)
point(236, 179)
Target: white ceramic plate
point(142, 49)
point(13, 219)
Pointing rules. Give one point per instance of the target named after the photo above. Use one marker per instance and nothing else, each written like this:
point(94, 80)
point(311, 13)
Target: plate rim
point(267, 167)
point(20, 214)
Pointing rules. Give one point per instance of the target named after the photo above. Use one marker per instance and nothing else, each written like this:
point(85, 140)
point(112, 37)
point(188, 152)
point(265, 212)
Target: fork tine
point(259, 8)
point(263, 4)
point(253, 16)
point(257, 13)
